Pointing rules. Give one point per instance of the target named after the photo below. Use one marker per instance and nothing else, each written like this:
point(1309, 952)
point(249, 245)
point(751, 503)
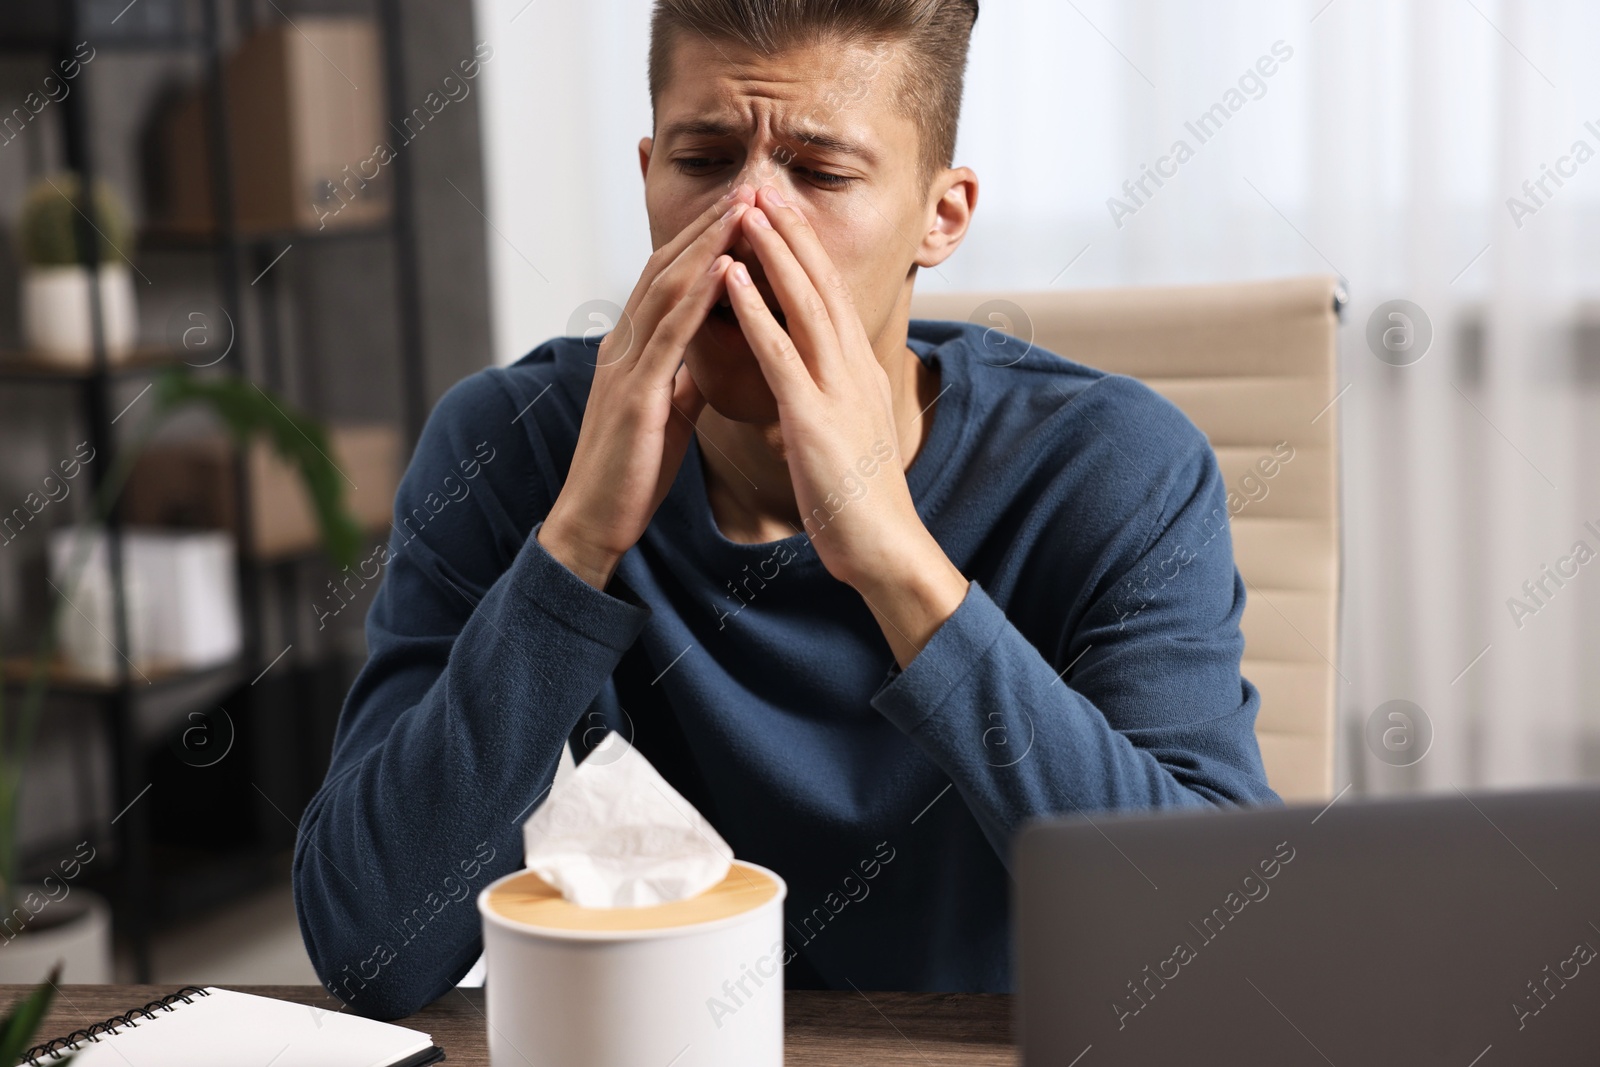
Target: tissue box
point(634, 936)
point(696, 982)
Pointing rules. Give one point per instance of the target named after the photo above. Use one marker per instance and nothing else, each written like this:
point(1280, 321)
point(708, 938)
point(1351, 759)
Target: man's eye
point(824, 179)
point(696, 165)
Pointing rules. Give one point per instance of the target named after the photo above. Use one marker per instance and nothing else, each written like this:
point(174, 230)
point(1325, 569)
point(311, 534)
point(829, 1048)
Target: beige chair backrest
point(1253, 365)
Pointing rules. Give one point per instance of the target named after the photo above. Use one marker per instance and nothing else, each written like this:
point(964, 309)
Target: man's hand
point(836, 407)
point(643, 404)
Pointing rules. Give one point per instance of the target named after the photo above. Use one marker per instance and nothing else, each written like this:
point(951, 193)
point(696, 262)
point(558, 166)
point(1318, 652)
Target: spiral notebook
point(196, 1027)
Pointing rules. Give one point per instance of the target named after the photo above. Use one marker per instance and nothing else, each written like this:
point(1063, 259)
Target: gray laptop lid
point(1459, 929)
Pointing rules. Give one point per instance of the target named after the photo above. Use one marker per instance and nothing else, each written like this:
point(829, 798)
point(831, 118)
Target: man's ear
point(955, 194)
point(645, 144)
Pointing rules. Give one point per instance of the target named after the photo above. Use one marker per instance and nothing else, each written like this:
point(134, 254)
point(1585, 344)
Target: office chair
point(1253, 364)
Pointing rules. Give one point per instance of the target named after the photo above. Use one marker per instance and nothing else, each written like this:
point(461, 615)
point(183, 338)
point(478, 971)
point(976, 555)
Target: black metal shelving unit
point(137, 710)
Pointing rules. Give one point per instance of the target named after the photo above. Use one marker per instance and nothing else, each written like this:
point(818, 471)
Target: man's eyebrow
point(793, 134)
point(828, 143)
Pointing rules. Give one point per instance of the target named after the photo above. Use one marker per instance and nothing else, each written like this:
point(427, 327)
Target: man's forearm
point(437, 768)
point(912, 599)
point(592, 566)
point(1019, 742)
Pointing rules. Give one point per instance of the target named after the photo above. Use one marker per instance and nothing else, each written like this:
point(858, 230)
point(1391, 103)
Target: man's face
point(817, 123)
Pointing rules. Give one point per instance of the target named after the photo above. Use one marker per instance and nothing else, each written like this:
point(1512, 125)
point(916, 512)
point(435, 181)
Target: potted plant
point(57, 324)
point(41, 925)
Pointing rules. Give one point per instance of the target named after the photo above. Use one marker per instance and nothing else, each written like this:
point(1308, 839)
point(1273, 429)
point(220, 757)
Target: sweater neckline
point(950, 414)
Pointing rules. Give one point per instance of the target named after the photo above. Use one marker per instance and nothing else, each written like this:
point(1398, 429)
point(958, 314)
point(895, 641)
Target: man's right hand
point(632, 441)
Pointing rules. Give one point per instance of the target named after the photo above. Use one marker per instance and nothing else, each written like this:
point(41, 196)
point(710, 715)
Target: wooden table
point(822, 1029)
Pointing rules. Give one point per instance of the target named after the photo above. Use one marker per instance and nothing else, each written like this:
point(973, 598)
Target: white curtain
point(1384, 145)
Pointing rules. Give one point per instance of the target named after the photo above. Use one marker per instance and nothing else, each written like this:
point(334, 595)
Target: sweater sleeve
point(483, 652)
point(1145, 707)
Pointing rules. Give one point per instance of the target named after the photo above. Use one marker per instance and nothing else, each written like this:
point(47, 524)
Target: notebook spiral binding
point(55, 1048)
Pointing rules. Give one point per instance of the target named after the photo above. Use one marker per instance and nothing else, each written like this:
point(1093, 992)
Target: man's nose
point(766, 168)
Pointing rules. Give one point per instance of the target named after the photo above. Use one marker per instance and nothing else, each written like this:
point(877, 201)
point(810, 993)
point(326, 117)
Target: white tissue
point(614, 834)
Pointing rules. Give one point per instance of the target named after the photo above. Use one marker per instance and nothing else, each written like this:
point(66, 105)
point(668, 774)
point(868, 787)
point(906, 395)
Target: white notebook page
point(226, 1027)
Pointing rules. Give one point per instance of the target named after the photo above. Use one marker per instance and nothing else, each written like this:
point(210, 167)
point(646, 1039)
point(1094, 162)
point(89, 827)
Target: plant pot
point(74, 929)
point(85, 638)
point(56, 323)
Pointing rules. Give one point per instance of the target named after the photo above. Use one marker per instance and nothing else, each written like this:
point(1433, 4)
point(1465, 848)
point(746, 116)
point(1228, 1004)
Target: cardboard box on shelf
point(191, 483)
point(305, 114)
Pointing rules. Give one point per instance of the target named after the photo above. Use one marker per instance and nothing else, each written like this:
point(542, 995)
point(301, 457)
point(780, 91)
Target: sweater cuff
point(909, 698)
point(612, 617)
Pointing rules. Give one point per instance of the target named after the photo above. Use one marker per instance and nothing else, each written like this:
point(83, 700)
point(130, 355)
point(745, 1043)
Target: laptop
point(1459, 929)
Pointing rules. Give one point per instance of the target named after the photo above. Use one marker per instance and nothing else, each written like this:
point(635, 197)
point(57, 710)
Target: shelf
point(17, 671)
point(286, 723)
point(157, 704)
point(25, 366)
point(31, 45)
point(31, 27)
point(156, 237)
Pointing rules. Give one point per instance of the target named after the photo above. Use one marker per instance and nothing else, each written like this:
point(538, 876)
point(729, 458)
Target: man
point(867, 593)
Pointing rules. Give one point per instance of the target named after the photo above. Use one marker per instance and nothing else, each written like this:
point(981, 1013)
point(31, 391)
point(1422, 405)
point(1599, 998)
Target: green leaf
point(17, 1030)
point(249, 412)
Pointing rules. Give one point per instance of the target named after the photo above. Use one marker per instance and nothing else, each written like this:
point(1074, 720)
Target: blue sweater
point(1093, 664)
